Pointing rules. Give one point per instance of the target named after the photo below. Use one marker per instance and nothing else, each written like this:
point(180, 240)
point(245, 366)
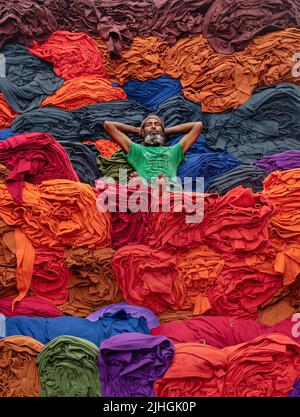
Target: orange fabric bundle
point(7, 114)
point(282, 188)
point(8, 261)
point(168, 315)
point(265, 367)
point(142, 61)
point(58, 213)
point(73, 54)
point(146, 276)
point(197, 271)
point(195, 371)
point(93, 284)
point(106, 147)
point(82, 91)
point(239, 290)
point(19, 376)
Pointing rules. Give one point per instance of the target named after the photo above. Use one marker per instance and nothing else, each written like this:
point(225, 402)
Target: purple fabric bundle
point(135, 311)
point(280, 161)
point(296, 389)
point(130, 363)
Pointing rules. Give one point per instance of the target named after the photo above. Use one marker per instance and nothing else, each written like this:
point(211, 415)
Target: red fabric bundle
point(221, 332)
point(239, 222)
point(146, 276)
point(265, 367)
point(128, 228)
point(239, 290)
point(195, 371)
point(73, 54)
point(171, 229)
point(34, 157)
point(50, 275)
point(31, 306)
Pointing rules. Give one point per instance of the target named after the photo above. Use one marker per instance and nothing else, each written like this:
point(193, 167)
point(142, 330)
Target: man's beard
point(154, 139)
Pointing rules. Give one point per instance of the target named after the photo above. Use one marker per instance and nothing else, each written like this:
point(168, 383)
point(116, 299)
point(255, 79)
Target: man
point(153, 158)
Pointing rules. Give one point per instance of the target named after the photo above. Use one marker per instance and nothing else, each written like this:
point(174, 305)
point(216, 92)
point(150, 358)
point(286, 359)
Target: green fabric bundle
point(109, 167)
point(68, 368)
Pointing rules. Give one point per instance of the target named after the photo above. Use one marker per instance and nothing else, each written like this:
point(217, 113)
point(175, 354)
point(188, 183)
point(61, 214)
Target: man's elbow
point(107, 125)
point(199, 126)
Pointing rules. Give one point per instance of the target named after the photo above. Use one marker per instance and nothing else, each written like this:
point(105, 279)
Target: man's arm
point(192, 131)
point(117, 132)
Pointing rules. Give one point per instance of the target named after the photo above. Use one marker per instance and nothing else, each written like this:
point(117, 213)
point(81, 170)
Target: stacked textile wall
point(153, 305)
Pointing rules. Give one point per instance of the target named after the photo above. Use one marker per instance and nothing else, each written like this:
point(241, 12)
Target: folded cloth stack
point(128, 228)
point(245, 175)
point(83, 160)
point(217, 81)
point(92, 284)
point(106, 147)
point(47, 329)
point(7, 115)
point(146, 276)
point(110, 167)
point(35, 157)
point(50, 275)
point(227, 23)
point(72, 54)
point(68, 368)
point(135, 311)
point(221, 331)
point(19, 375)
point(28, 80)
point(282, 161)
point(267, 123)
point(31, 306)
point(82, 91)
point(264, 367)
point(22, 22)
point(152, 93)
point(8, 261)
point(196, 370)
point(6, 133)
point(130, 363)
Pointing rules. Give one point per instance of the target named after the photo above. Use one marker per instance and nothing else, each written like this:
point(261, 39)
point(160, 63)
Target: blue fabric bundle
point(151, 93)
point(6, 133)
point(46, 329)
point(201, 161)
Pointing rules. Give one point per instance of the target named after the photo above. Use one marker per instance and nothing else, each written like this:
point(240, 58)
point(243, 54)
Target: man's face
point(153, 133)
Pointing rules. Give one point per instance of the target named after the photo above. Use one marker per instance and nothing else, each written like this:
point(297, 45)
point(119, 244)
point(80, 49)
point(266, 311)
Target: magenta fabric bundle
point(221, 331)
point(31, 306)
point(34, 157)
point(135, 311)
point(130, 363)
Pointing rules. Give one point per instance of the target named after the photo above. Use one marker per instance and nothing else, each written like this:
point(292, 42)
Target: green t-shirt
point(150, 161)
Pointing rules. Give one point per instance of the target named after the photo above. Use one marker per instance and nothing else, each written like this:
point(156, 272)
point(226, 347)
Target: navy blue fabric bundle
point(269, 122)
point(46, 329)
point(82, 124)
point(246, 175)
point(177, 110)
point(201, 161)
point(28, 81)
point(61, 124)
point(151, 93)
point(83, 160)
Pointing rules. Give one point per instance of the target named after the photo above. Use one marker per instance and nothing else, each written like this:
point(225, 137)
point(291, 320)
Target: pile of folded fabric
point(110, 287)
